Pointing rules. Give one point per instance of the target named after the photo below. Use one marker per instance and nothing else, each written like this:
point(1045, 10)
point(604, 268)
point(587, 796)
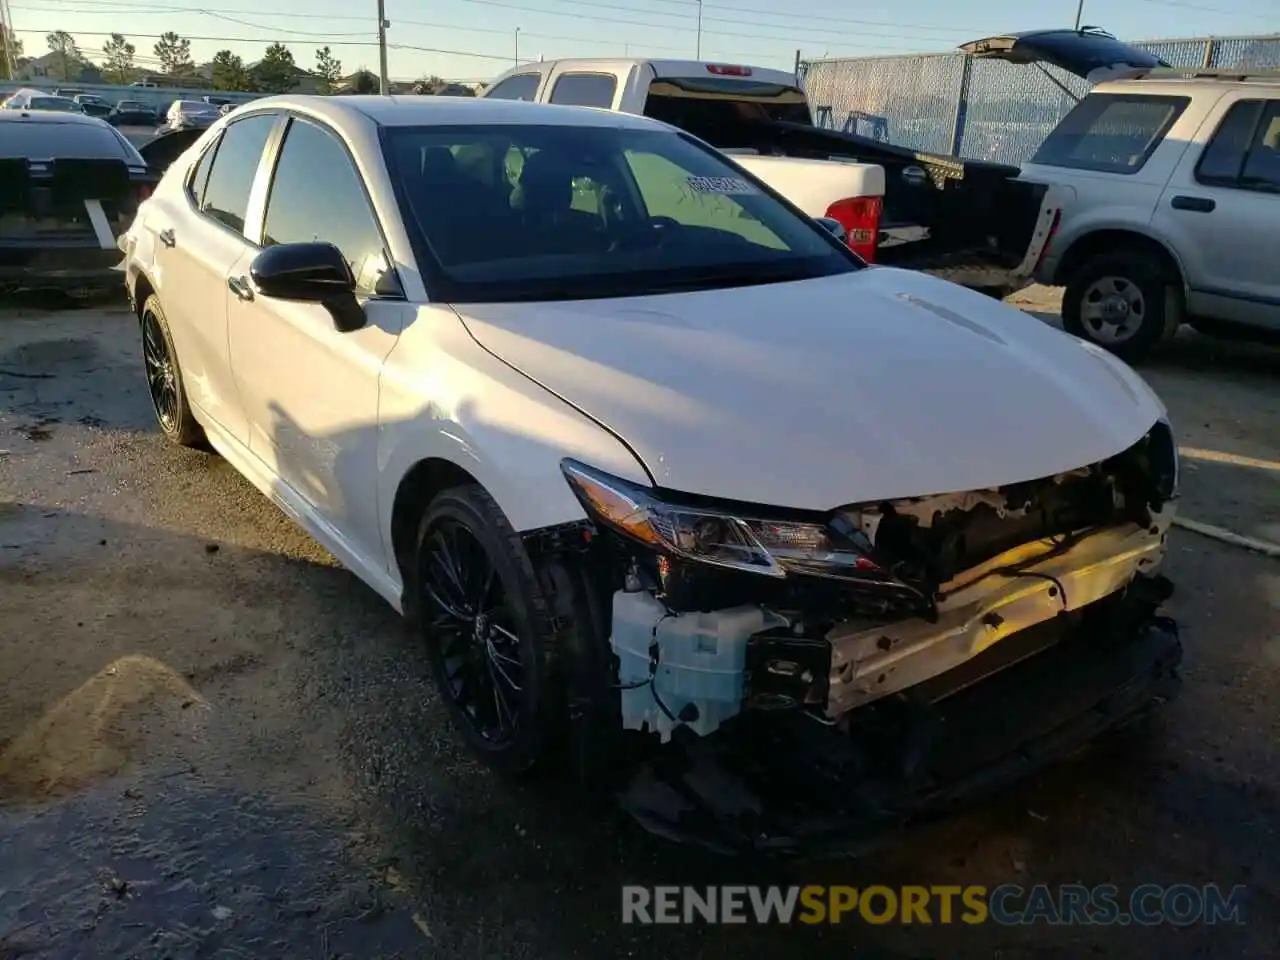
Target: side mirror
point(310, 273)
point(834, 227)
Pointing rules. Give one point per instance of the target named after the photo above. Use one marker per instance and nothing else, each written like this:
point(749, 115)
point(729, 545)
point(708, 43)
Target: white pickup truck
point(971, 221)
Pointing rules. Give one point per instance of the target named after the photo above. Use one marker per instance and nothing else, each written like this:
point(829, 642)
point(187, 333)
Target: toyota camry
point(677, 491)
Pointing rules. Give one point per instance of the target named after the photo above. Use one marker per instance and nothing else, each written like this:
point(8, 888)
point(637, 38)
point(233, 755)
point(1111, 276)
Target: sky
point(478, 39)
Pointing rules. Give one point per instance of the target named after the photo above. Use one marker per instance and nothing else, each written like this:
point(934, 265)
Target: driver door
point(310, 392)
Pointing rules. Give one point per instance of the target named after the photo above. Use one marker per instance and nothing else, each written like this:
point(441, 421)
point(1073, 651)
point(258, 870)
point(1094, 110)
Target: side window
point(226, 195)
point(523, 86)
point(317, 194)
point(1223, 158)
point(196, 182)
point(1262, 167)
point(585, 90)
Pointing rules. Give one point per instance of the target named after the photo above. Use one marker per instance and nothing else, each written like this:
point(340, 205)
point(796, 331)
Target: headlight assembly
point(771, 547)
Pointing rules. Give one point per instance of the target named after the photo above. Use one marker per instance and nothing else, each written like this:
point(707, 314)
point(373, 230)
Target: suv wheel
point(1117, 300)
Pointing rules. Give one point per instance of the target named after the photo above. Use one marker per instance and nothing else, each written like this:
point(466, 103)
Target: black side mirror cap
point(310, 273)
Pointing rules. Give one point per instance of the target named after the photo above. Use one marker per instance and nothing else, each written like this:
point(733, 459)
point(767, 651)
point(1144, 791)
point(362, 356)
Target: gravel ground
point(215, 742)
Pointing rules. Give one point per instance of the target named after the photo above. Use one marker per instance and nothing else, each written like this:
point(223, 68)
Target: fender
point(442, 396)
point(1127, 219)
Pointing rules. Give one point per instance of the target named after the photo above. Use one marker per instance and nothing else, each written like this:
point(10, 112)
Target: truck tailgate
point(813, 185)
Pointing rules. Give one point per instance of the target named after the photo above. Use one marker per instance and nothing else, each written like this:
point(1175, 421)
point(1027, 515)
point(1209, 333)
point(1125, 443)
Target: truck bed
point(940, 212)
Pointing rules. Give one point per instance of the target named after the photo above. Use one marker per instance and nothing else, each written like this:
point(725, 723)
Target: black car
point(132, 113)
point(69, 186)
point(92, 105)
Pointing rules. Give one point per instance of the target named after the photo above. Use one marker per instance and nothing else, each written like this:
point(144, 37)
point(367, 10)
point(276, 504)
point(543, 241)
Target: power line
point(157, 36)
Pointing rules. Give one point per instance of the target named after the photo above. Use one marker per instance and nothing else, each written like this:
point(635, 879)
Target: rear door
point(1089, 53)
point(197, 246)
point(1223, 205)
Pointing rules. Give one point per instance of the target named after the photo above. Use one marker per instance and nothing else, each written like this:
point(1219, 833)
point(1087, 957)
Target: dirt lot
point(215, 742)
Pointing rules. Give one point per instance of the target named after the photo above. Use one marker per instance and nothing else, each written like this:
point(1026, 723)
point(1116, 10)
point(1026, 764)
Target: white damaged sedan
point(673, 486)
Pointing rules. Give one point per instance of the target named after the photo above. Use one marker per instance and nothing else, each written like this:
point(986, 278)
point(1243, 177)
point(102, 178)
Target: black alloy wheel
point(478, 646)
point(164, 379)
point(488, 636)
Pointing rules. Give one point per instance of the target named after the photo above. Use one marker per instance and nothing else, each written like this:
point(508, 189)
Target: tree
point(174, 54)
point(428, 86)
point(363, 81)
point(14, 51)
point(69, 62)
point(435, 87)
point(276, 71)
point(229, 73)
point(119, 53)
point(328, 69)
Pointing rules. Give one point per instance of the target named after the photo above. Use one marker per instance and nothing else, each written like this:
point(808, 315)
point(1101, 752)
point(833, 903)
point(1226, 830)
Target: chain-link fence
point(987, 109)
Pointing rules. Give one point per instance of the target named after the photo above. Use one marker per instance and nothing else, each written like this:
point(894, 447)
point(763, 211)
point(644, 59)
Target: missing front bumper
point(781, 782)
point(986, 609)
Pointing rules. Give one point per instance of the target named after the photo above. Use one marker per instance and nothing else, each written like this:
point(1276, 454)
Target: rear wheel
point(164, 379)
point(1117, 300)
point(487, 629)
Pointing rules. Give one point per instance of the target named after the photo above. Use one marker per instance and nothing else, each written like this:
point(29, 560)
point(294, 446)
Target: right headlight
point(723, 537)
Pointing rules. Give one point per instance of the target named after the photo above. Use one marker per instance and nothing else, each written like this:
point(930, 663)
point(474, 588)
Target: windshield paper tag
point(730, 186)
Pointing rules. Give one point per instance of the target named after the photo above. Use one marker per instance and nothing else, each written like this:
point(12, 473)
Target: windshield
point(574, 212)
point(129, 105)
point(54, 103)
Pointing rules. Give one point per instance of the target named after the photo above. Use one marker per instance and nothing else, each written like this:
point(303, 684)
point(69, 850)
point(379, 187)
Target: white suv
point(1172, 195)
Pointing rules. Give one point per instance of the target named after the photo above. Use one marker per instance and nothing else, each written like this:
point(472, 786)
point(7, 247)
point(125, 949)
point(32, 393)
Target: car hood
point(873, 385)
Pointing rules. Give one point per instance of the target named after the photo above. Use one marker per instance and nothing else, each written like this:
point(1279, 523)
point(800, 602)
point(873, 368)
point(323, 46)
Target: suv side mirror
point(310, 273)
point(834, 227)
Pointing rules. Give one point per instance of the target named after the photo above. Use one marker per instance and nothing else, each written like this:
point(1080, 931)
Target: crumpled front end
point(787, 680)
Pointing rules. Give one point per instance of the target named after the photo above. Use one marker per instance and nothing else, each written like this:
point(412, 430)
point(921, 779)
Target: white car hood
point(873, 385)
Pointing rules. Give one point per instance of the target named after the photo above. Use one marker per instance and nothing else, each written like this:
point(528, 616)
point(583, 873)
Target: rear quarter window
point(1111, 132)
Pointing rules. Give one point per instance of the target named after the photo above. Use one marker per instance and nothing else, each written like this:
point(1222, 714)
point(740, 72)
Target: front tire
point(487, 629)
point(164, 379)
point(1117, 300)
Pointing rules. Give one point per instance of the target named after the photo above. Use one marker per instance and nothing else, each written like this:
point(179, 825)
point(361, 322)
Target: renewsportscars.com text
point(1008, 904)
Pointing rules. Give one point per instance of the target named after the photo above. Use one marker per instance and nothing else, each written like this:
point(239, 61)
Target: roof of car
point(1171, 86)
point(412, 110)
point(22, 115)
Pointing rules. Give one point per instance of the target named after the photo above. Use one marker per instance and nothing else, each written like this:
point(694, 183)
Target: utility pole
point(1079, 12)
point(6, 31)
point(698, 55)
point(382, 47)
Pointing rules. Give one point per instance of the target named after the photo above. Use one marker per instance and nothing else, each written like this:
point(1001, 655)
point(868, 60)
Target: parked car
point(1172, 182)
point(69, 187)
point(132, 113)
point(190, 114)
point(970, 221)
point(28, 99)
point(674, 484)
point(92, 105)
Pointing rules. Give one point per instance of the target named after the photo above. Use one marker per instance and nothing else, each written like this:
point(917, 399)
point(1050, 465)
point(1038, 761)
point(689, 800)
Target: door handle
point(167, 237)
point(1198, 204)
point(240, 287)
